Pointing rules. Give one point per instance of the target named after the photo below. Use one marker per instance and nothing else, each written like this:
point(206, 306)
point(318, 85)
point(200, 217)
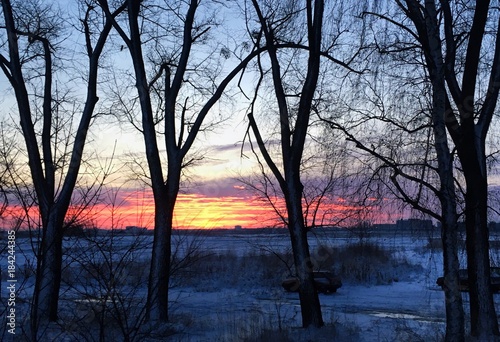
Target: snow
point(410, 307)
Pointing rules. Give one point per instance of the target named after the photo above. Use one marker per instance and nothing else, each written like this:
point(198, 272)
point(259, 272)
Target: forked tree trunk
point(292, 148)
point(52, 207)
point(157, 300)
point(470, 141)
point(165, 195)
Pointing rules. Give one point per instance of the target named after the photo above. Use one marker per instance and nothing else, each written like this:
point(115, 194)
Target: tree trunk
point(48, 282)
point(159, 277)
point(484, 324)
point(453, 298)
point(455, 330)
point(157, 303)
point(308, 296)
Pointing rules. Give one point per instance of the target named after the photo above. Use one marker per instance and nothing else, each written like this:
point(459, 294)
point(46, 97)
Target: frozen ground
point(207, 304)
point(410, 309)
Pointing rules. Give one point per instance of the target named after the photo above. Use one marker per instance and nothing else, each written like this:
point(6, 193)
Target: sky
point(200, 210)
point(212, 193)
point(211, 197)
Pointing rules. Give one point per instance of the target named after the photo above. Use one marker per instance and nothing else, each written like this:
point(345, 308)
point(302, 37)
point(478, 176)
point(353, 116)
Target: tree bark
point(159, 277)
point(157, 301)
point(292, 147)
point(425, 19)
point(48, 277)
point(455, 329)
point(484, 324)
point(308, 297)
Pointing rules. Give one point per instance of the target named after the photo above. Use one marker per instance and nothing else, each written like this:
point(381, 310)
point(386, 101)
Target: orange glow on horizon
point(136, 208)
point(201, 212)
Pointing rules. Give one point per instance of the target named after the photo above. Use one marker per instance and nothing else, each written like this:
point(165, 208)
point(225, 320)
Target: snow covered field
point(226, 287)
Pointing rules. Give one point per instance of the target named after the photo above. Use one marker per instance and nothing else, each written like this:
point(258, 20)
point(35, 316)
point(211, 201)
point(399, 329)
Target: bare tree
point(108, 274)
point(296, 39)
point(31, 37)
point(293, 137)
point(411, 160)
point(434, 45)
point(426, 184)
point(465, 34)
point(177, 72)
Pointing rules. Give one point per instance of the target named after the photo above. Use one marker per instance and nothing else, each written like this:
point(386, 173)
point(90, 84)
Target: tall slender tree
point(449, 43)
point(416, 153)
point(181, 115)
point(468, 117)
point(297, 35)
point(31, 32)
point(423, 180)
point(293, 128)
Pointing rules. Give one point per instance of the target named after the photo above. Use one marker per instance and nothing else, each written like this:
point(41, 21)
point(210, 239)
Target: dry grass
point(114, 290)
point(362, 263)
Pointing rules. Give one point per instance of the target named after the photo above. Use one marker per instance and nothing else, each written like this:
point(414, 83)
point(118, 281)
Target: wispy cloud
point(222, 187)
point(226, 147)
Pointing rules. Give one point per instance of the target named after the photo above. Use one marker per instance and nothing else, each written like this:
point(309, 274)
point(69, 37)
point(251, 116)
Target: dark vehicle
point(463, 279)
point(325, 282)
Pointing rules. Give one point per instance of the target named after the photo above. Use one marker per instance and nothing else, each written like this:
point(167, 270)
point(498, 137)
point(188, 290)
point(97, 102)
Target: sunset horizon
point(202, 210)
